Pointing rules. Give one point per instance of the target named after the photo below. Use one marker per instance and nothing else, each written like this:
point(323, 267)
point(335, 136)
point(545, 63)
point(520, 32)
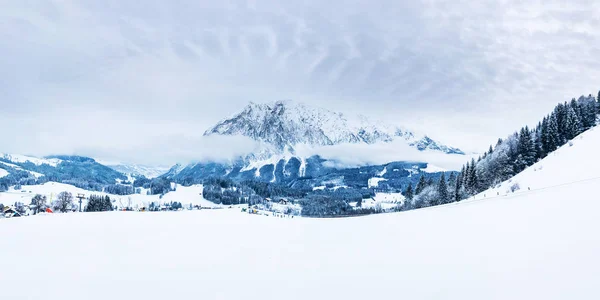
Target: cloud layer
point(122, 76)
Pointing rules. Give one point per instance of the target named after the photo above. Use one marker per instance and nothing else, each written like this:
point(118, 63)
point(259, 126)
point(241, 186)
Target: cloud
point(356, 155)
point(182, 150)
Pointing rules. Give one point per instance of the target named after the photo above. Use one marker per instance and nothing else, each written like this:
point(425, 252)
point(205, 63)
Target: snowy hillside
point(541, 245)
point(572, 163)
point(17, 158)
point(4, 164)
point(287, 124)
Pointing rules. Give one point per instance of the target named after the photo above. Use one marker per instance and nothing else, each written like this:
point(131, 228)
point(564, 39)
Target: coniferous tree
point(561, 114)
point(554, 138)
point(457, 187)
point(442, 189)
point(471, 181)
point(544, 137)
point(588, 112)
point(408, 194)
point(525, 149)
point(465, 175)
point(451, 180)
point(421, 185)
point(430, 181)
point(572, 124)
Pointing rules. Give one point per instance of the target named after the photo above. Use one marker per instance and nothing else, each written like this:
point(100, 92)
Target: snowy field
point(185, 195)
point(542, 245)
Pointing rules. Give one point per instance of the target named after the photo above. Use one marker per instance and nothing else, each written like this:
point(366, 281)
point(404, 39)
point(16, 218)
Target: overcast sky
point(141, 81)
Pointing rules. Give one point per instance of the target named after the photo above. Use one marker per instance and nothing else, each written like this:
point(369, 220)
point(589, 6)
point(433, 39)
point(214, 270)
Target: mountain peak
point(286, 124)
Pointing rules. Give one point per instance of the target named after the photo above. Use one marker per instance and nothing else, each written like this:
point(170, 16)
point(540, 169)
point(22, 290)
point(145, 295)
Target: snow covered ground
point(386, 201)
point(185, 195)
point(374, 181)
point(18, 158)
point(3, 173)
point(538, 244)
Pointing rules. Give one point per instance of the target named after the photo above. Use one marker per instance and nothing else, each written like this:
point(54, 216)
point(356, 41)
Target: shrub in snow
point(515, 187)
point(570, 143)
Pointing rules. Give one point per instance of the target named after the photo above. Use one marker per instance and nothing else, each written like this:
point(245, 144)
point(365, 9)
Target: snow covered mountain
point(137, 170)
point(286, 124)
point(83, 172)
point(284, 127)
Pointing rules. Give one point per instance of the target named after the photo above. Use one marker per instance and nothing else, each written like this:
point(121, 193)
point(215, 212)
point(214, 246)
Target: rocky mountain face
point(286, 124)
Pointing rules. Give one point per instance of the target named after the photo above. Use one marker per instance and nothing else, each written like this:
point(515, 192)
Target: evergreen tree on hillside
point(554, 138)
point(465, 175)
point(561, 119)
point(525, 149)
point(408, 194)
point(442, 189)
point(538, 145)
point(430, 181)
point(471, 181)
point(572, 124)
point(451, 180)
point(588, 112)
point(503, 168)
point(457, 194)
point(421, 185)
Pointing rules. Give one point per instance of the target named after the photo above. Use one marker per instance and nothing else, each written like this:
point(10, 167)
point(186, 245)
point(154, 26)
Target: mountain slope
point(286, 124)
point(80, 171)
point(574, 162)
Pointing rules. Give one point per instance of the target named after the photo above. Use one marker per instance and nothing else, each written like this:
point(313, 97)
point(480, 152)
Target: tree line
point(527, 146)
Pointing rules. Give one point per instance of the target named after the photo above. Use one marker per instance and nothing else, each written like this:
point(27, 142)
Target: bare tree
point(39, 202)
point(64, 202)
